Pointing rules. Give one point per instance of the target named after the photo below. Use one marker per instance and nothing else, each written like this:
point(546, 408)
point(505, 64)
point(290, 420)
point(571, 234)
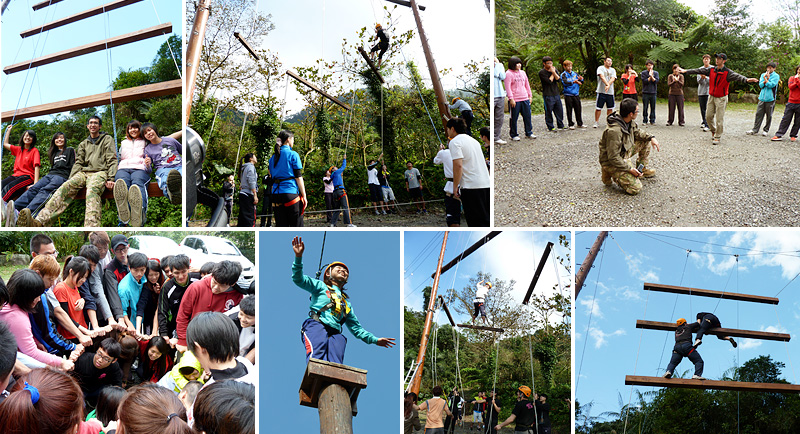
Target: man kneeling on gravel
point(622, 139)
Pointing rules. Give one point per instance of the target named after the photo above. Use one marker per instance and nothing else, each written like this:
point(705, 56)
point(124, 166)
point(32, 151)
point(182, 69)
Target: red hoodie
point(794, 90)
point(198, 298)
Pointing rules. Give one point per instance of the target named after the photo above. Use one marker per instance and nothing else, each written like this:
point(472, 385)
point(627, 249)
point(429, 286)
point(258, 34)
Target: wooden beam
point(709, 293)
point(491, 329)
point(45, 4)
point(752, 334)
point(371, 64)
point(683, 383)
point(320, 373)
point(246, 45)
point(93, 47)
point(316, 89)
point(172, 87)
point(538, 272)
point(470, 250)
point(77, 17)
point(447, 311)
point(405, 3)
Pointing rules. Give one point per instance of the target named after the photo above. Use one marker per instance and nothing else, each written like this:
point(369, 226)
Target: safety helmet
point(489, 284)
point(378, 26)
point(455, 99)
point(681, 321)
point(331, 169)
point(332, 264)
point(525, 391)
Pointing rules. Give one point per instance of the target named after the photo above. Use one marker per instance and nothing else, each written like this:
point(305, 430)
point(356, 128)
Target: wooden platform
point(682, 383)
point(77, 17)
point(752, 334)
point(491, 329)
point(709, 293)
point(371, 64)
point(320, 373)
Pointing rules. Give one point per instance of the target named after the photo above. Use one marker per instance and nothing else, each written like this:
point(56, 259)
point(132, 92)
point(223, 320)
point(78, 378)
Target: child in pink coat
point(519, 94)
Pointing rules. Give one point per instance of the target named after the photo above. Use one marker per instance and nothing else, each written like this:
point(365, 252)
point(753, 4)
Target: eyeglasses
point(104, 357)
point(54, 254)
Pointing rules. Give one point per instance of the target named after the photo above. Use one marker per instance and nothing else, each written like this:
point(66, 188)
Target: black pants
point(685, 349)
point(792, 110)
point(710, 321)
point(329, 202)
point(229, 207)
point(287, 216)
point(703, 100)
point(14, 186)
point(649, 102)
point(266, 210)
point(468, 118)
point(247, 210)
point(476, 206)
point(634, 96)
point(573, 103)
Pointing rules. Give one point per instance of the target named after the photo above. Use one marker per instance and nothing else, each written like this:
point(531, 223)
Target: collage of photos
point(504, 207)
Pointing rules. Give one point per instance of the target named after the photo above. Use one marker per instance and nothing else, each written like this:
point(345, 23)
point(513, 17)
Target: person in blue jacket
point(329, 311)
point(288, 196)
point(572, 84)
point(766, 99)
point(340, 195)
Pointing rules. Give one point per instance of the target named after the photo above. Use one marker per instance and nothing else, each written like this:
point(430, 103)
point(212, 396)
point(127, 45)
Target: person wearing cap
point(524, 413)
point(329, 311)
point(720, 78)
point(465, 110)
point(683, 348)
point(709, 321)
point(114, 272)
point(542, 413)
point(381, 46)
point(340, 201)
point(480, 300)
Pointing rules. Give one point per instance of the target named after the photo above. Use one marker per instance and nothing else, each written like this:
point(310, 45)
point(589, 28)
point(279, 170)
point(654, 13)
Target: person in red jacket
point(792, 109)
point(213, 293)
point(720, 78)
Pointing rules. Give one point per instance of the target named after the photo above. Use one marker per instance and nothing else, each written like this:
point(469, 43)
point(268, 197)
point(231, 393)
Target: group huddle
point(119, 342)
point(96, 164)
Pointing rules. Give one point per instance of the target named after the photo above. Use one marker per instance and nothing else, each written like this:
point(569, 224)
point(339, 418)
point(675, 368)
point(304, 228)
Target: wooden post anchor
point(333, 388)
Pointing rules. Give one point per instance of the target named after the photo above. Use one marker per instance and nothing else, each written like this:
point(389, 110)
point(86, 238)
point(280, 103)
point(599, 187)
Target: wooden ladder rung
point(684, 383)
point(77, 17)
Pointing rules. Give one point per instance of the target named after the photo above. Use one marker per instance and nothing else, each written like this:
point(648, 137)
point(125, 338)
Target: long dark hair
point(283, 137)
point(78, 264)
point(51, 153)
point(159, 366)
point(153, 265)
point(137, 124)
point(33, 136)
point(108, 403)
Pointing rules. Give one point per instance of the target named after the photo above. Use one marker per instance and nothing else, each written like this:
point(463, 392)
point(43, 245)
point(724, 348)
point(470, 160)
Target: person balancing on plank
point(329, 311)
point(708, 322)
point(480, 300)
point(684, 348)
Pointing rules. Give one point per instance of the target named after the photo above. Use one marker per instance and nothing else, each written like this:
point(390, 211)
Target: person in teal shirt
point(130, 287)
point(329, 311)
point(766, 99)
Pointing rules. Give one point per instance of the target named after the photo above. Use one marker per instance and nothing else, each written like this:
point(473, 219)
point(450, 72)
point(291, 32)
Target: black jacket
point(684, 332)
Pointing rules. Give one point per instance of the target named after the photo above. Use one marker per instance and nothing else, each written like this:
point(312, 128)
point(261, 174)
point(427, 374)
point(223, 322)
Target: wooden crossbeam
point(447, 311)
point(302, 80)
point(709, 293)
point(538, 272)
point(491, 329)
point(371, 64)
point(246, 45)
point(172, 87)
point(77, 17)
point(405, 3)
point(683, 383)
point(44, 4)
point(150, 32)
point(752, 334)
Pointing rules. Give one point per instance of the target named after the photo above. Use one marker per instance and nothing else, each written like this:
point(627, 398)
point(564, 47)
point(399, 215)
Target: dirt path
point(554, 180)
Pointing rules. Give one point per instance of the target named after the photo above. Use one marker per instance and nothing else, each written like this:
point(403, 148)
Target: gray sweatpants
point(499, 116)
point(764, 108)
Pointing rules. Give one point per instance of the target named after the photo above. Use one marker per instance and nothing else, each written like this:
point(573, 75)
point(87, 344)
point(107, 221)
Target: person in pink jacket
point(130, 188)
point(25, 287)
point(518, 90)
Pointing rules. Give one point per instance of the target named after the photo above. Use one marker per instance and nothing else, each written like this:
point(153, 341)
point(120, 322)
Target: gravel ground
point(745, 181)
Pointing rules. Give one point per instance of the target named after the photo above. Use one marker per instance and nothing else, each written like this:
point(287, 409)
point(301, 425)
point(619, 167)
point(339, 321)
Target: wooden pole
point(193, 50)
point(246, 45)
point(538, 273)
point(334, 411)
point(333, 389)
point(423, 344)
point(580, 276)
point(470, 250)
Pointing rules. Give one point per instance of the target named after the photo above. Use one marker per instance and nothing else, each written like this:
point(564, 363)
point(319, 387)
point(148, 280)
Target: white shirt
point(608, 74)
point(446, 160)
point(480, 295)
point(372, 176)
point(474, 173)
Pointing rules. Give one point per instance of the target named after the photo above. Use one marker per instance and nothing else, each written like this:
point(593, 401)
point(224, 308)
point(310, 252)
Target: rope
point(361, 207)
point(239, 150)
point(421, 98)
point(726, 284)
point(285, 96)
point(321, 252)
point(784, 287)
point(109, 63)
point(672, 315)
point(381, 119)
point(533, 380)
point(786, 344)
point(636, 364)
point(558, 275)
point(170, 45)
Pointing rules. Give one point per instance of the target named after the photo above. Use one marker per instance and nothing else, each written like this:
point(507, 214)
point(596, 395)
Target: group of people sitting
point(96, 164)
point(119, 342)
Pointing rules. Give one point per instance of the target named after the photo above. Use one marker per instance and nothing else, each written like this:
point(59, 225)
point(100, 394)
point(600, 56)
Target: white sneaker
point(515, 138)
point(765, 134)
point(572, 127)
point(333, 225)
point(595, 125)
point(352, 226)
point(584, 127)
point(533, 136)
point(750, 132)
point(697, 377)
point(500, 142)
point(667, 375)
point(706, 129)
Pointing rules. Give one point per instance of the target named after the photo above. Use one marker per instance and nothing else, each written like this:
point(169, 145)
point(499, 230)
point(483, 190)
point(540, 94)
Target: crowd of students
point(95, 164)
point(116, 342)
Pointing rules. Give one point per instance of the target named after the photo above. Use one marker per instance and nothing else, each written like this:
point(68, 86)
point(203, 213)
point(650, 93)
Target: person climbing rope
point(683, 348)
point(382, 45)
point(480, 301)
point(709, 321)
point(524, 413)
point(329, 311)
point(340, 200)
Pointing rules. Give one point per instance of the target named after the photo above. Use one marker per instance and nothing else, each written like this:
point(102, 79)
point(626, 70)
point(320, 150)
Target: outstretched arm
point(6, 142)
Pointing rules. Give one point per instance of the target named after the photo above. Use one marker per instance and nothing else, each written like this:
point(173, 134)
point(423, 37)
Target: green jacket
point(98, 155)
point(618, 140)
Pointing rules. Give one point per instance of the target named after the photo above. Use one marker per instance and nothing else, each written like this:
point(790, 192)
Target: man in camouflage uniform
point(95, 167)
point(622, 139)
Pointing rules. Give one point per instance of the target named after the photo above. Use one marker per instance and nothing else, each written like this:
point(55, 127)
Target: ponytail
point(152, 409)
point(283, 137)
point(57, 409)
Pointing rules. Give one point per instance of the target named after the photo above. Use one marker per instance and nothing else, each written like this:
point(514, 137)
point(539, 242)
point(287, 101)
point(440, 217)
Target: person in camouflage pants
point(622, 139)
point(95, 167)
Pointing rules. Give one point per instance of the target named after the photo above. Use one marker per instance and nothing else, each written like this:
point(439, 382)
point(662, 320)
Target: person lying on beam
point(684, 348)
point(709, 321)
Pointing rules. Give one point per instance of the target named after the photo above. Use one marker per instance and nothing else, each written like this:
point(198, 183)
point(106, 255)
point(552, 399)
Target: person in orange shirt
point(436, 406)
point(629, 79)
point(76, 271)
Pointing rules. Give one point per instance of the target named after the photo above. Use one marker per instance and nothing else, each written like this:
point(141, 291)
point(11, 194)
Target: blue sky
point(614, 298)
point(83, 75)
point(508, 256)
point(373, 259)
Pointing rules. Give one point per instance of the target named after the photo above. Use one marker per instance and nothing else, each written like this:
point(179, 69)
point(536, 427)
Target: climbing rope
point(239, 150)
point(174, 60)
point(420, 97)
point(321, 253)
point(672, 315)
point(533, 380)
point(109, 63)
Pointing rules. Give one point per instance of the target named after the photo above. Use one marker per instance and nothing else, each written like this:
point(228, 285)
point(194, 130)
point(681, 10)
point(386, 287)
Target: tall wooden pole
point(441, 100)
point(335, 414)
point(193, 50)
point(580, 276)
point(423, 344)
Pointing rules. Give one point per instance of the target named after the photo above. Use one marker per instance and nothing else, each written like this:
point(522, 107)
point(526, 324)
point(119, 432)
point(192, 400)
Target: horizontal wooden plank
point(295, 76)
point(77, 17)
point(150, 32)
point(172, 87)
point(709, 293)
point(491, 329)
point(153, 190)
point(44, 4)
point(405, 3)
point(752, 334)
point(683, 383)
point(246, 44)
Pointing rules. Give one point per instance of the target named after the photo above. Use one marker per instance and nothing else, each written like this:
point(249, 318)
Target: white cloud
point(592, 306)
point(747, 344)
point(601, 337)
point(641, 272)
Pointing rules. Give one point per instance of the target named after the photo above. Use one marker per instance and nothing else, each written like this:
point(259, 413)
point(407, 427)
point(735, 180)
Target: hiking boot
point(175, 187)
point(697, 343)
point(11, 214)
point(648, 172)
point(667, 375)
point(697, 377)
point(121, 199)
point(135, 202)
point(606, 177)
point(26, 220)
point(733, 342)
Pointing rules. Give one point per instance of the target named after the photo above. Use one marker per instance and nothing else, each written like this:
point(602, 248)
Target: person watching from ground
point(186, 370)
point(766, 99)
point(479, 302)
point(518, 89)
point(702, 92)
point(436, 408)
point(169, 301)
point(684, 348)
point(226, 407)
point(708, 322)
point(499, 76)
point(675, 82)
point(622, 139)
point(375, 192)
point(100, 240)
point(227, 193)
point(605, 89)
point(155, 359)
point(542, 413)
point(130, 187)
point(340, 200)
point(470, 175)
point(524, 413)
point(76, 270)
point(99, 369)
point(8, 356)
point(792, 110)
point(327, 185)
point(720, 78)
point(212, 337)
point(452, 206)
point(549, 77)
point(244, 316)
point(248, 192)
point(130, 288)
point(27, 165)
point(95, 168)
point(649, 79)
point(478, 405)
point(414, 187)
point(147, 306)
point(572, 82)
point(164, 156)
point(386, 188)
point(381, 46)
point(329, 311)
point(629, 79)
point(150, 409)
point(465, 112)
point(289, 199)
point(411, 421)
point(113, 274)
point(454, 404)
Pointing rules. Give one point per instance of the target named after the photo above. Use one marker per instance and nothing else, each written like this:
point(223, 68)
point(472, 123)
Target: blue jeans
point(322, 342)
point(38, 193)
point(552, 105)
point(525, 108)
point(649, 101)
point(136, 177)
point(161, 177)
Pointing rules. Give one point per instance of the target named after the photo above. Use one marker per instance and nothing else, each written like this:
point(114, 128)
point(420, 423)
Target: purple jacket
point(167, 154)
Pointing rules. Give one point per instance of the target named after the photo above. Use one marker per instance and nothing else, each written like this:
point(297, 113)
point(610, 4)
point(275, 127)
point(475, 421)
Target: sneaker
point(706, 129)
point(175, 187)
point(532, 136)
point(583, 127)
point(121, 199)
point(424, 210)
point(383, 212)
point(332, 225)
point(793, 139)
point(750, 132)
point(515, 138)
point(669, 124)
point(733, 342)
point(697, 377)
point(765, 134)
point(777, 139)
point(11, 214)
point(572, 127)
point(352, 226)
point(500, 142)
point(135, 202)
point(667, 375)
point(377, 213)
point(715, 141)
point(553, 130)
point(697, 343)
point(564, 127)
point(595, 125)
